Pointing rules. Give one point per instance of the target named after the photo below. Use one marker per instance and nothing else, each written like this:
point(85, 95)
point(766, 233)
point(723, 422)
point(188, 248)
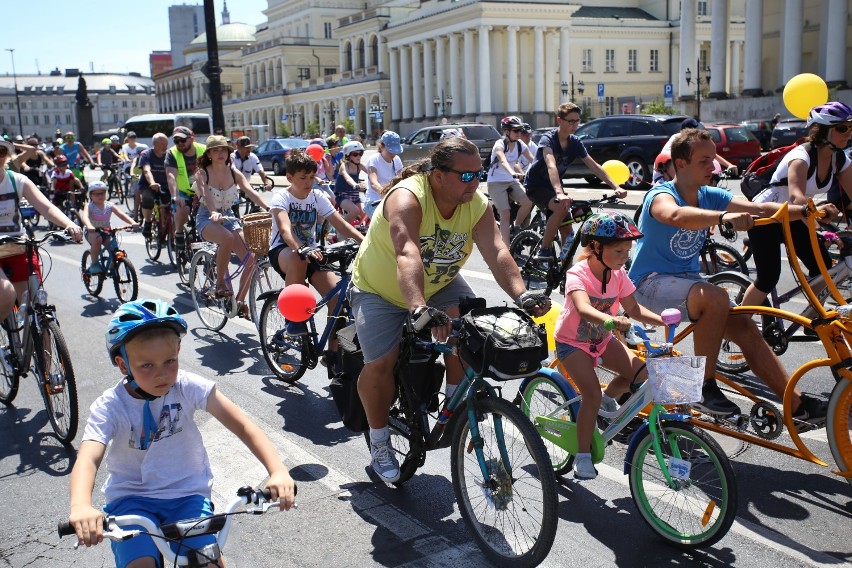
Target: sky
point(115, 38)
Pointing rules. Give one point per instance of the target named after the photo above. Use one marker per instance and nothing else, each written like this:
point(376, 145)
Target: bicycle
point(115, 264)
point(184, 253)
point(290, 356)
point(499, 465)
point(71, 201)
point(255, 501)
point(32, 342)
point(680, 479)
point(162, 233)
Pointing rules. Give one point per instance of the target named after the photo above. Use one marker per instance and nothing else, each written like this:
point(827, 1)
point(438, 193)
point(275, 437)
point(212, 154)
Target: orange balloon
point(315, 151)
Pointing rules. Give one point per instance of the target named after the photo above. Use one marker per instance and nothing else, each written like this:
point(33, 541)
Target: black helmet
point(511, 123)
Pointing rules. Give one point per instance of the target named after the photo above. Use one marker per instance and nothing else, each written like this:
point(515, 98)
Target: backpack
point(758, 174)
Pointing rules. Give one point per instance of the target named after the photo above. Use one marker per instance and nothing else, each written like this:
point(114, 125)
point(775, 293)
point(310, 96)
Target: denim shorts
point(160, 511)
point(379, 323)
point(202, 219)
point(658, 292)
point(563, 350)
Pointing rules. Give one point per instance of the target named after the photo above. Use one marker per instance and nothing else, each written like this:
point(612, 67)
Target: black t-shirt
point(537, 175)
point(158, 169)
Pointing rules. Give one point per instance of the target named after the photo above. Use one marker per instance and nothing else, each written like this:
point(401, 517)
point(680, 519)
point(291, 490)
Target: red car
point(735, 143)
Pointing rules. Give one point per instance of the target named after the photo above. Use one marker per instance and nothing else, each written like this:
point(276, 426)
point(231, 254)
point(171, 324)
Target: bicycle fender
point(560, 381)
point(268, 294)
point(640, 433)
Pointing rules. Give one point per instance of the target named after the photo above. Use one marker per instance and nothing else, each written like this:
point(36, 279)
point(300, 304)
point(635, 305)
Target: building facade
point(186, 22)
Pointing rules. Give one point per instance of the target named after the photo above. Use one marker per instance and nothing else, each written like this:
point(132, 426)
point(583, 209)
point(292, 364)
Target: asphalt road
point(791, 513)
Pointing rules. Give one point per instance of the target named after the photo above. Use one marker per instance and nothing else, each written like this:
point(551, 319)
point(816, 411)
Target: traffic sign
point(378, 115)
point(600, 92)
point(668, 95)
point(284, 118)
point(352, 113)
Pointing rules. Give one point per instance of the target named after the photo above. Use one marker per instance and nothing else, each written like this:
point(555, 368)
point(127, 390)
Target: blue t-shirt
point(671, 250)
point(72, 152)
point(158, 169)
point(537, 175)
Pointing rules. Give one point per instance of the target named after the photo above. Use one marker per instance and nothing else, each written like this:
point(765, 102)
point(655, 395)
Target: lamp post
point(297, 117)
point(581, 87)
point(378, 110)
point(698, 83)
point(442, 103)
point(11, 51)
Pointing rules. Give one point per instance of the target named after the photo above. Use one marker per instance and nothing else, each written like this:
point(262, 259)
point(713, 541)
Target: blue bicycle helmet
point(133, 317)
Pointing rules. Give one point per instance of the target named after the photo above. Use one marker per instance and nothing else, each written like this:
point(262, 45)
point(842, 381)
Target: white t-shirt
point(525, 164)
point(384, 172)
point(133, 152)
point(251, 165)
point(304, 215)
point(781, 193)
point(175, 464)
point(497, 172)
point(10, 217)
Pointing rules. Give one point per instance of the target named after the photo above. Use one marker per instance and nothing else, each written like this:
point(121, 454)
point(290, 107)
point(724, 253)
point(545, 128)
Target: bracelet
point(721, 217)
point(804, 211)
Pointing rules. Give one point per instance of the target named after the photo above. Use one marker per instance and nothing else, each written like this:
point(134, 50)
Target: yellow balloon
point(803, 92)
point(549, 321)
point(617, 171)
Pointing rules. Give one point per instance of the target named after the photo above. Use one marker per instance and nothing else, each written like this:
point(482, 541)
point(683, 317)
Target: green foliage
point(657, 107)
point(284, 130)
point(312, 129)
point(349, 124)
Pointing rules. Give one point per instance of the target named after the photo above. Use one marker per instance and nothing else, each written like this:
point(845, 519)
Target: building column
point(835, 47)
point(752, 85)
point(405, 82)
point(687, 47)
point(564, 58)
point(394, 84)
point(353, 55)
point(440, 69)
point(513, 81)
point(341, 56)
point(791, 37)
point(416, 81)
point(469, 74)
point(735, 68)
point(538, 69)
point(428, 77)
point(718, 49)
point(484, 70)
point(455, 80)
point(383, 54)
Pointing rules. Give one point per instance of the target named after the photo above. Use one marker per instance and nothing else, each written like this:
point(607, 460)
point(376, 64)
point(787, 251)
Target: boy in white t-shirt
point(157, 465)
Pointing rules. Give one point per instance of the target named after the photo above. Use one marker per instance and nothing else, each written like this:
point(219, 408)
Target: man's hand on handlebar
point(827, 210)
point(434, 319)
point(310, 252)
point(533, 303)
point(738, 221)
point(619, 192)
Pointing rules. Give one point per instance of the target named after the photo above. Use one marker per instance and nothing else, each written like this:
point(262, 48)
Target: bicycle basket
point(257, 227)
point(676, 380)
point(501, 342)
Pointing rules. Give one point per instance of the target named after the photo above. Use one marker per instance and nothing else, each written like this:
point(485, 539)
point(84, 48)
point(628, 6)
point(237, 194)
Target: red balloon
point(315, 151)
point(296, 302)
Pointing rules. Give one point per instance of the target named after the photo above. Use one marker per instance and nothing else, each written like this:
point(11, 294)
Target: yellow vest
point(183, 183)
point(445, 244)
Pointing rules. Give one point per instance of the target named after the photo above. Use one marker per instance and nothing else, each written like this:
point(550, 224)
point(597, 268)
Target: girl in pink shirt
point(595, 288)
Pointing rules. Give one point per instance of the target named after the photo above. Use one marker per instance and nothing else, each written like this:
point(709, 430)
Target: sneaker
point(96, 268)
point(295, 328)
point(714, 401)
point(608, 404)
point(584, 468)
point(811, 413)
point(146, 229)
point(544, 254)
point(384, 461)
point(513, 230)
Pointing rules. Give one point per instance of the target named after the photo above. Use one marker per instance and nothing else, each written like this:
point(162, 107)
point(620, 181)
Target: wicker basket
point(257, 228)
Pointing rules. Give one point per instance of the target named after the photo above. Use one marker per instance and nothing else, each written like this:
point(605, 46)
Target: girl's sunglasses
point(466, 177)
point(843, 128)
point(356, 153)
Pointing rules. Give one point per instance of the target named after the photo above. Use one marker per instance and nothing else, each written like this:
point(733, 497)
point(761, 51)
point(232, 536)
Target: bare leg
point(375, 387)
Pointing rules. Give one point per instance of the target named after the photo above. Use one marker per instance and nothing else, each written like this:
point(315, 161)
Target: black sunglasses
point(843, 128)
point(466, 177)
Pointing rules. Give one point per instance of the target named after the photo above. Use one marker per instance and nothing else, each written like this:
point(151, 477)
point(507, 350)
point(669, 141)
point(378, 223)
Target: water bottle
point(566, 246)
point(22, 309)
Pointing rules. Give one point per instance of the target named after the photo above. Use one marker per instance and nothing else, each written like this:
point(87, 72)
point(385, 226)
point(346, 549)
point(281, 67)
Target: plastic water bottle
point(22, 309)
point(566, 246)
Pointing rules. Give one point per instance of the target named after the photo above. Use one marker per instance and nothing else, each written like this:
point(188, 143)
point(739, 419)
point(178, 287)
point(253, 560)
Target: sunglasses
point(180, 140)
point(843, 128)
point(356, 153)
point(572, 121)
point(466, 177)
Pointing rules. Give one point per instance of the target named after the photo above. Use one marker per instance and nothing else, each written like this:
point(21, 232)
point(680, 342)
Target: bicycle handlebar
point(784, 211)
point(671, 317)
point(24, 239)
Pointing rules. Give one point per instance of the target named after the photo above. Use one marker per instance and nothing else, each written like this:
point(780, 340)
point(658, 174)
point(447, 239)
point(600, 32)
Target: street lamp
point(581, 87)
point(11, 51)
point(698, 83)
point(378, 110)
point(443, 103)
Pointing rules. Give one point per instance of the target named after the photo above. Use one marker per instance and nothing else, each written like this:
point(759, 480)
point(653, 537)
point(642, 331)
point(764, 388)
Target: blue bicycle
point(289, 355)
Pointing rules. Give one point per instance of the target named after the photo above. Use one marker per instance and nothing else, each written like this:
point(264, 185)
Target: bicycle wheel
point(265, 279)
point(169, 243)
point(153, 245)
point(285, 355)
point(55, 376)
point(94, 283)
point(202, 285)
point(184, 260)
point(523, 249)
point(9, 379)
point(700, 508)
point(512, 514)
point(125, 280)
point(540, 397)
point(731, 358)
point(839, 425)
point(406, 437)
point(718, 257)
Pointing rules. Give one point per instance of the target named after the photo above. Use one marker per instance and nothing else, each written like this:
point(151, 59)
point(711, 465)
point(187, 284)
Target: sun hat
point(8, 145)
point(216, 141)
point(392, 142)
point(245, 142)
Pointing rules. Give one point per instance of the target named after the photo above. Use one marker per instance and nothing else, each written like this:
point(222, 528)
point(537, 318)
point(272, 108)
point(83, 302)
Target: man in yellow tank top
point(420, 236)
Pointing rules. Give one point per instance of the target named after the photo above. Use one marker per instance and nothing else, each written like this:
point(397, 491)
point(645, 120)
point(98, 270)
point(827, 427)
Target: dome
point(229, 33)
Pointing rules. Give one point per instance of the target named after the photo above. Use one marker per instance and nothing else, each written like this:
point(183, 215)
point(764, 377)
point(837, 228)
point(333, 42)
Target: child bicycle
point(31, 341)
point(680, 479)
point(114, 264)
point(162, 233)
point(255, 501)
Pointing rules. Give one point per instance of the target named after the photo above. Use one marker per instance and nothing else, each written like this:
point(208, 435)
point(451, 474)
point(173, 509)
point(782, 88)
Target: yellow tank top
point(445, 244)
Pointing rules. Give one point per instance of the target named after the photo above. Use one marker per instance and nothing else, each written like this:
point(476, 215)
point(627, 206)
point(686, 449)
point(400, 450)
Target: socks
point(379, 434)
point(451, 389)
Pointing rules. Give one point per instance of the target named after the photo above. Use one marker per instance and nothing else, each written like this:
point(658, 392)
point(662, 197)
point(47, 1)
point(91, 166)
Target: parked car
point(788, 131)
point(539, 132)
point(635, 139)
point(761, 128)
point(735, 143)
point(273, 152)
point(419, 144)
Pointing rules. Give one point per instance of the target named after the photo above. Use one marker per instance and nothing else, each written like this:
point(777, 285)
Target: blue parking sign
point(668, 91)
point(600, 92)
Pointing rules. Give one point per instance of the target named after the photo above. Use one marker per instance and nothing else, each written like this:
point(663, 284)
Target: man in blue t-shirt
point(556, 150)
point(153, 183)
point(675, 218)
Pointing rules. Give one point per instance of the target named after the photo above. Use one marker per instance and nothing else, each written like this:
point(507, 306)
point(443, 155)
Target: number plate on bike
point(679, 469)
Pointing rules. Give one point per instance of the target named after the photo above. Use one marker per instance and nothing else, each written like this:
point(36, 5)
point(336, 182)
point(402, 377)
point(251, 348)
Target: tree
point(284, 130)
point(349, 125)
point(312, 129)
point(657, 107)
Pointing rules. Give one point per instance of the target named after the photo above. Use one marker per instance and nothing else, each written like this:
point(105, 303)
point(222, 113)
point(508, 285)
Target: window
point(46, 119)
point(115, 118)
point(304, 73)
point(609, 62)
point(587, 60)
point(609, 103)
point(329, 71)
point(44, 104)
point(307, 31)
point(655, 60)
point(2, 120)
point(35, 119)
point(133, 104)
point(26, 120)
point(124, 104)
point(68, 118)
point(702, 7)
point(12, 121)
point(57, 119)
point(705, 59)
point(632, 56)
point(327, 30)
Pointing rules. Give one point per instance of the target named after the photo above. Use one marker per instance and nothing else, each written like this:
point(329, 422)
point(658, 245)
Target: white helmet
point(98, 186)
point(353, 146)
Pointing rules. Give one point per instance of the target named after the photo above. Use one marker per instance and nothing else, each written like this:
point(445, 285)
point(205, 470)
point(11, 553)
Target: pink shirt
point(570, 328)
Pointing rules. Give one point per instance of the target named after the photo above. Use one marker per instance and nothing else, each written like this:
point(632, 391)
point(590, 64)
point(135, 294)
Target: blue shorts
point(563, 350)
point(202, 219)
point(160, 511)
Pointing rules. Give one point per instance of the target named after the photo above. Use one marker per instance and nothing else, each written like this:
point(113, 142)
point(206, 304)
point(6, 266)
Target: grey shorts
point(202, 219)
point(500, 194)
point(379, 323)
point(658, 292)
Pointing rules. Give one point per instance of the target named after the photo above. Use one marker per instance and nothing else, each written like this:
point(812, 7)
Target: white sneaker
point(608, 404)
point(384, 461)
point(584, 468)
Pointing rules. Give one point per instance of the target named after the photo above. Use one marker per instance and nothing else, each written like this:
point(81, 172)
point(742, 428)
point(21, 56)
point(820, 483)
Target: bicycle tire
point(839, 425)
point(523, 249)
point(94, 283)
point(125, 280)
point(55, 360)
point(202, 285)
point(406, 437)
point(9, 378)
point(541, 396)
point(287, 355)
point(184, 259)
point(731, 358)
point(718, 257)
point(527, 494)
point(265, 279)
point(170, 251)
point(710, 480)
point(153, 246)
